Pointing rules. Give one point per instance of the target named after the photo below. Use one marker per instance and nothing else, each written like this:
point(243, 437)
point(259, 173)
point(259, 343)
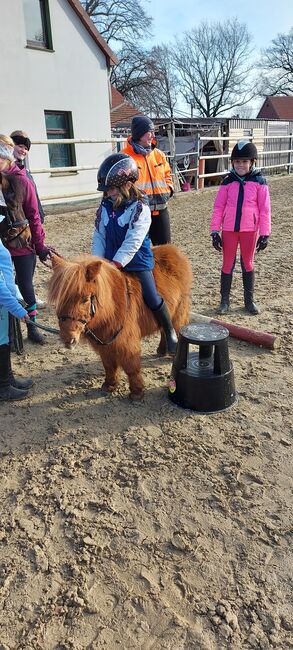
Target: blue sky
point(264, 18)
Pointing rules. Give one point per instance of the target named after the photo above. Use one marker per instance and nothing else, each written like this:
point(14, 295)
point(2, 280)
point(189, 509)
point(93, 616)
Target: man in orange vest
point(154, 176)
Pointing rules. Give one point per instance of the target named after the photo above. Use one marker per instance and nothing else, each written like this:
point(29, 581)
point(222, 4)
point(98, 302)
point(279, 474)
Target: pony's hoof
point(136, 397)
point(108, 388)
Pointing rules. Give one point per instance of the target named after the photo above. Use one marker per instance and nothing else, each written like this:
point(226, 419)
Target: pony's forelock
point(68, 282)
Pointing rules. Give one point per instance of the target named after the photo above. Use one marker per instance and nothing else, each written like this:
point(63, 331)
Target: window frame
point(46, 44)
point(67, 134)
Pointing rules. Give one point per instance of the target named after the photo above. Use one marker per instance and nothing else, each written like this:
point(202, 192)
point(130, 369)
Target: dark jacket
point(30, 177)
point(20, 198)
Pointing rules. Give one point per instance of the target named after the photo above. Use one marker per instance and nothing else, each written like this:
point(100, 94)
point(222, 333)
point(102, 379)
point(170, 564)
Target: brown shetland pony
point(96, 301)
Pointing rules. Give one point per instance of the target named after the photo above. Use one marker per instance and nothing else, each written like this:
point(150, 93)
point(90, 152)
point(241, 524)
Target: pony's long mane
point(69, 281)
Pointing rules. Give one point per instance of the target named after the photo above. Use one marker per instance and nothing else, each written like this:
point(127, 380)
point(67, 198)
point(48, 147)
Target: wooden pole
point(263, 339)
point(201, 170)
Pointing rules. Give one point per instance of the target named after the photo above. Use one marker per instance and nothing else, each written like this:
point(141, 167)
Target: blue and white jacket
point(121, 235)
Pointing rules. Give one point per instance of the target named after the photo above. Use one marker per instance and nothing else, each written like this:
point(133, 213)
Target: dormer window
point(37, 23)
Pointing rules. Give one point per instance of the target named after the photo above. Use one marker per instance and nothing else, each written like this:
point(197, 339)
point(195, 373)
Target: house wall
point(72, 78)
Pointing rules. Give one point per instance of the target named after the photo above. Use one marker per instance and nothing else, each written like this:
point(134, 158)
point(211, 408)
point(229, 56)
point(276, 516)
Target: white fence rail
point(190, 165)
point(267, 158)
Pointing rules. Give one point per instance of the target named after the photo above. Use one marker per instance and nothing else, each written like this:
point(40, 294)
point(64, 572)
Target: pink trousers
point(230, 241)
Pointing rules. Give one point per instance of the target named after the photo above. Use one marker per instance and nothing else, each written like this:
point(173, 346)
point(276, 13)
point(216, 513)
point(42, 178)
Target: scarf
point(137, 148)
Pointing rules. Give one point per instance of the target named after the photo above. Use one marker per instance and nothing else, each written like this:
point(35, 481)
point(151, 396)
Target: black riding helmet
point(244, 149)
point(116, 170)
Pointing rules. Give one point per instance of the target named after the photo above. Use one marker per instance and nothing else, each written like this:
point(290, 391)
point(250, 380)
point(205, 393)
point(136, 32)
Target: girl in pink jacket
point(241, 215)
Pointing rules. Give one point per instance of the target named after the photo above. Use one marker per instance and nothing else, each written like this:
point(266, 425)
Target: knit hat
point(139, 126)
point(6, 152)
point(21, 139)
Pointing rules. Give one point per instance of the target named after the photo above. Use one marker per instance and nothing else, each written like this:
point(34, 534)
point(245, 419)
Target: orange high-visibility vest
point(154, 177)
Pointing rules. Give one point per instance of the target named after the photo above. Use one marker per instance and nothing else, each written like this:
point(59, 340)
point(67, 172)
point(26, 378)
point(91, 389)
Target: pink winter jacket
point(31, 211)
point(245, 208)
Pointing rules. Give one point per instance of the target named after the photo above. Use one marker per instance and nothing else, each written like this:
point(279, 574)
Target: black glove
point(217, 241)
point(46, 252)
point(262, 243)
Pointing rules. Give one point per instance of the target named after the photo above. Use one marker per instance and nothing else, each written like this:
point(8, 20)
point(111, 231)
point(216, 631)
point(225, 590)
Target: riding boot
point(162, 317)
point(8, 392)
point(248, 284)
point(22, 384)
point(34, 335)
point(226, 281)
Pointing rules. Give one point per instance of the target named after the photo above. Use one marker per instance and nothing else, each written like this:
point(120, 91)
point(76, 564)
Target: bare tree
point(213, 62)
point(244, 112)
point(158, 95)
point(147, 79)
point(164, 80)
point(119, 21)
point(131, 75)
point(277, 63)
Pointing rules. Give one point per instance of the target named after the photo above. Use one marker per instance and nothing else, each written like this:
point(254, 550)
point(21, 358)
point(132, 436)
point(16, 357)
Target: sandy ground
point(143, 525)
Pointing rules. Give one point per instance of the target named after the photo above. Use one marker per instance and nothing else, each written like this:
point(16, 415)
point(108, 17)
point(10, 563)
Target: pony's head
point(75, 287)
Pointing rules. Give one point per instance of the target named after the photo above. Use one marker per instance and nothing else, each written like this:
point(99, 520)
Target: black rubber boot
point(162, 316)
point(7, 391)
point(248, 284)
point(226, 281)
point(22, 384)
point(34, 335)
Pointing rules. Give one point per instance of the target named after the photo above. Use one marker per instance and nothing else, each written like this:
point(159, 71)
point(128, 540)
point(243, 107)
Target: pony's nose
point(70, 344)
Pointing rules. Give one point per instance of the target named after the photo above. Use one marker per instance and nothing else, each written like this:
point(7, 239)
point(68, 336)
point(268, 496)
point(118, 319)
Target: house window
point(37, 23)
point(59, 127)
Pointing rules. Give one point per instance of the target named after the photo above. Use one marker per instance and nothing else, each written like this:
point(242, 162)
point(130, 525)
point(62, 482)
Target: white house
point(55, 84)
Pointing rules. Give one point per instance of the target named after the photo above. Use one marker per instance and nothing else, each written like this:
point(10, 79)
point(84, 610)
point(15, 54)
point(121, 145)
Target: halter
point(88, 332)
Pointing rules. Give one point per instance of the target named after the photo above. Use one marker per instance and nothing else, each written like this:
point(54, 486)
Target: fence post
point(173, 161)
point(290, 153)
point(197, 149)
point(201, 170)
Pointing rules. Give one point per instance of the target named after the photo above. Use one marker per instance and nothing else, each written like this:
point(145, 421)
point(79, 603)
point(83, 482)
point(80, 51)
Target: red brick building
point(277, 108)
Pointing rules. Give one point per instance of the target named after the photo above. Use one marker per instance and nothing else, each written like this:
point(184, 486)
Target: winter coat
point(8, 289)
point(154, 176)
point(121, 235)
point(20, 164)
point(20, 198)
point(242, 204)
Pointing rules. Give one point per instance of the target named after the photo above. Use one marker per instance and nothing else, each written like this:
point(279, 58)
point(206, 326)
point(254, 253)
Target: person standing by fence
point(154, 176)
point(241, 215)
